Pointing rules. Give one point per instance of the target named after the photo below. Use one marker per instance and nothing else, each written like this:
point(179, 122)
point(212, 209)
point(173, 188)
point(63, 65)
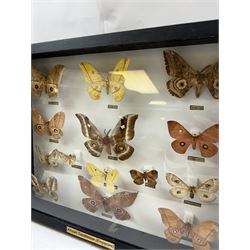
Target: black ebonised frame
point(58, 217)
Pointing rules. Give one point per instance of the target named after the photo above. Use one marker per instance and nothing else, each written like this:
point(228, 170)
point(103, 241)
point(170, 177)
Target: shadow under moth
point(149, 177)
point(201, 234)
point(50, 84)
point(183, 139)
point(185, 77)
point(49, 187)
point(115, 203)
point(206, 191)
point(53, 127)
point(116, 140)
point(114, 82)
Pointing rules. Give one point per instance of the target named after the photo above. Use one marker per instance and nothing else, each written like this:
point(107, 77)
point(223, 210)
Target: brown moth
point(50, 83)
point(51, 159)
point(185, 77)
point(205, 191)
point(149, 177)
point(205, 140)
point(117, 140)
point(49, 187)
point(202, 234)
point(53, 127)
point(116, 203)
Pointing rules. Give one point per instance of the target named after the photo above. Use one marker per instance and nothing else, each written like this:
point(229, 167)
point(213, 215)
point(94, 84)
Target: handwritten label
point(90, 238)
point(53, 140)
point(76, 166)
point(196, 107)
point(111, 106)
point(107, 215)
point(53, 102)
point(192, 203)
point(110, 157)
point(194, 158)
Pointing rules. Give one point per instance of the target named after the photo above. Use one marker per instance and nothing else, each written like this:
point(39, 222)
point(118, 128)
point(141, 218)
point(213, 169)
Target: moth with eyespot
point(183, 139)
point(206, 191)
point(201, 234)
point(114, 82)
point(49, 84)
point(115, 203)
point(53, 127)
point(117, 140)
point(184, 77)
point(49, 187)
point(149, 177)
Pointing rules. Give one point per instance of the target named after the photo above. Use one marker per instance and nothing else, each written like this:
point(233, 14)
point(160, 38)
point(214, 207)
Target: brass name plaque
point(111, 106)
point(90, 238)
point(192, 203)
point(196, 107)
point(76, 166)
point(194, 158)
point(110, 157)
point(53, 140)
point(53, 103)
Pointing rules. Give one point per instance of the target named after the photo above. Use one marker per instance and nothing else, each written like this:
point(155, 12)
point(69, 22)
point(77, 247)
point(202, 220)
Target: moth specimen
point(114, 82)
point(183, 139)
point(149, 177)
point(53, 127)
point(52, 159)
point(49, 84)
point(185, 77)
point(49, 187)
point(116, 203)
point(117, 140)
point(201, 234)
point(205, 191)
point(109, 176)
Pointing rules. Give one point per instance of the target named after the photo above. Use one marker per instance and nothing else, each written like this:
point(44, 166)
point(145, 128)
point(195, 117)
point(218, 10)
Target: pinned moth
point(49, 84)
point(185, 77)
point(53, 127)
point(114, 82)
point(201, 234)
point(49, 187)
point(206, 191)
point(115, 203)
point(183, 139)
point(147, 177)
point(117, 140)
point(52, 159)
point(98, 177)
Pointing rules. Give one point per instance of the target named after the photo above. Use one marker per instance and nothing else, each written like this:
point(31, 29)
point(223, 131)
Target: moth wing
point(151, 177)
point(175, 227)
point(95, 199)
point(41, 156)
point(211, 73)
point(94, 146)
point(39, 124)
point(116, 86)
point(206, 139)
point(95, 80)
point(111, 180)
point(124, 131)
point(54, 79)
point(56, 124)
point(182, 136)
point(207, 191)
point(137, 176)
point(180, 188)
point(119, 201)
point(204, 233)
point(122, 65)
point(97, 175)
point(182, 73)
point(53, 158)
point(37, 81)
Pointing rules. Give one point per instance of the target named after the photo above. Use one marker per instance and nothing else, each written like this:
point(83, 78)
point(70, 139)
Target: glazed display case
point(125, 137)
